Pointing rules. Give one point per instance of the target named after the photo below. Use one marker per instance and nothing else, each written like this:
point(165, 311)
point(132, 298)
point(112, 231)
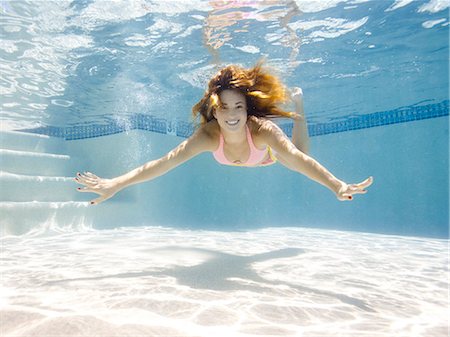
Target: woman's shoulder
point(260, 126)
point(210, 129)
point(208, 133)
point(261, 129)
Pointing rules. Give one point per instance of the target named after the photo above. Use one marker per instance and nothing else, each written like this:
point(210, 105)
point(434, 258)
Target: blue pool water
point(208, 250)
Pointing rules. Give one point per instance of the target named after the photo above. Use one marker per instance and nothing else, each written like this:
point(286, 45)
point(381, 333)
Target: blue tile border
point(185, 129)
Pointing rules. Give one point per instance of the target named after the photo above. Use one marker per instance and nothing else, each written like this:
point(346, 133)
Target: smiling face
point(232, 113)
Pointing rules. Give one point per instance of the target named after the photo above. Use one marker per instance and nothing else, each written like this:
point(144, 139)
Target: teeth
point(232, 122)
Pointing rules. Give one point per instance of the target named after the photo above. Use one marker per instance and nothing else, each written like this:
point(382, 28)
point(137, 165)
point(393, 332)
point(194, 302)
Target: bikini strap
point(220, 141)
point(219, 152)
point(252, 145)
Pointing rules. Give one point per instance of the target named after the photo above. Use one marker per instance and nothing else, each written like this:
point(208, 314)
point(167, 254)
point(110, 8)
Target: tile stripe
point(185, 129)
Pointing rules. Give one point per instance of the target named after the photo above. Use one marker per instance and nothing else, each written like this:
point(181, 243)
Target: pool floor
point(154, 281)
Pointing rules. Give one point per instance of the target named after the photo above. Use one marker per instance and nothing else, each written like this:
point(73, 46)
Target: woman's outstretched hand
point(296, 96)
point(106, 188)
point(347, 190)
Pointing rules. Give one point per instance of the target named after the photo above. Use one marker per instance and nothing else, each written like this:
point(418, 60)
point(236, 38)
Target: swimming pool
point(105, 86)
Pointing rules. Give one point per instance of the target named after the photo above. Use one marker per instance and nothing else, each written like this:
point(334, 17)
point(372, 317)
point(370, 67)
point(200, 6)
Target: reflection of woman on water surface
point(236, 127)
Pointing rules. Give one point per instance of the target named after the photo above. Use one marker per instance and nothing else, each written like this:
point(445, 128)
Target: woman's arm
point(300, 135)
point(199, 142)
point(296, 160)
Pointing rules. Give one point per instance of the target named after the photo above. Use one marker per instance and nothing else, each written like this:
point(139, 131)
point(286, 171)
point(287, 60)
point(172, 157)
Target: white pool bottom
point(269, 282)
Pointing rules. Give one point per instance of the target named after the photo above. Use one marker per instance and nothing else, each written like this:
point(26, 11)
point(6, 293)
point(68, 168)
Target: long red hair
point(264, 92)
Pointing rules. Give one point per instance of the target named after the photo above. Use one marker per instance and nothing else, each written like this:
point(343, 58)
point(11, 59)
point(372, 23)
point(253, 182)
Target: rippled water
point(80, 62)
point(270, 282)
point(77, 62)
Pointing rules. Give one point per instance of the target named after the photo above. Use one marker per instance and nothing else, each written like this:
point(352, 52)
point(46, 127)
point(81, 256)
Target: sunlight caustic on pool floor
point(270, 282)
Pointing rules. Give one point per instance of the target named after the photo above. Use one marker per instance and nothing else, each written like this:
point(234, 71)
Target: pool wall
point(409, 162)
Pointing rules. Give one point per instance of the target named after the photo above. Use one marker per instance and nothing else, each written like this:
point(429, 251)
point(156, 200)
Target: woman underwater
point(235, 126)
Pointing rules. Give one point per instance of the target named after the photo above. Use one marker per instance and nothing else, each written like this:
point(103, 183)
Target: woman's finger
point(345, 197)
point(90, 181)
point(98, 200)
point(86, 180)
point(85, 189)
point(358, 191)
point(79, 181)
point(91, 175)
point(366, 183)
point(87, 176)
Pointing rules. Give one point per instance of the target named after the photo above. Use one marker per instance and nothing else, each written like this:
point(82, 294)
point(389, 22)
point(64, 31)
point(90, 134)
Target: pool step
point(34, 163)
point(23, 141)
point(38, 194)
point(37, 205)
point(18, 187)
point(36, 188)
point(21, 217)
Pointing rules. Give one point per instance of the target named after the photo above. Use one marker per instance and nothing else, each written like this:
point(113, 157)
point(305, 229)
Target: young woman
point(235, 126)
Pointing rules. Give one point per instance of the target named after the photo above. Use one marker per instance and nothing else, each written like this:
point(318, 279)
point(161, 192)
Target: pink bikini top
point(256, 156)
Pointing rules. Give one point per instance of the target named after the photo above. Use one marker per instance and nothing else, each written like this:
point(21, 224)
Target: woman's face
point(232, 114)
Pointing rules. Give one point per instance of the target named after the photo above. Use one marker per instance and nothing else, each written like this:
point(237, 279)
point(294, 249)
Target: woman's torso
point(253, 151)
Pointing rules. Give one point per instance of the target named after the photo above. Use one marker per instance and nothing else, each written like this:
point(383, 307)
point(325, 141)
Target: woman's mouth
point(233, 122)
